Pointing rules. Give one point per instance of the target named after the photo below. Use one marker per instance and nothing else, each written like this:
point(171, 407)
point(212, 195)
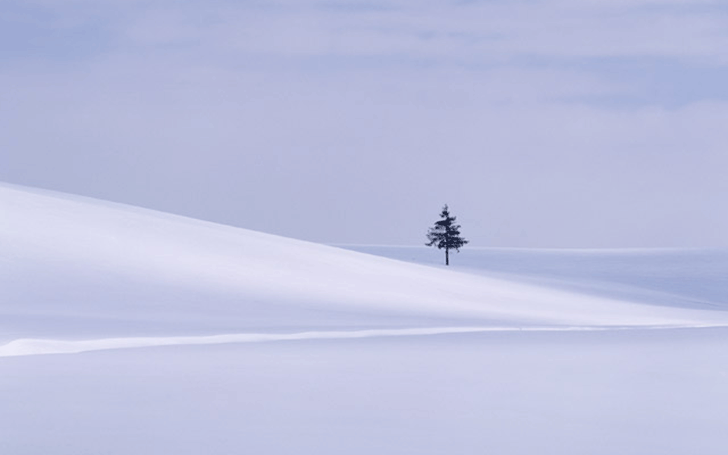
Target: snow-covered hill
point(76, 268)
point(250, 343)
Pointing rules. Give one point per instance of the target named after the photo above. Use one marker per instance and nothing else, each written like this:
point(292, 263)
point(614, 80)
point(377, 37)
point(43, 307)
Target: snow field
point(599, 392)
point(249, 343)
point(78, 269)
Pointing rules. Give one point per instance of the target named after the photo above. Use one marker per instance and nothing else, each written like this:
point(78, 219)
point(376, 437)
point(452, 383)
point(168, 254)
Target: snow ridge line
point(29, 346)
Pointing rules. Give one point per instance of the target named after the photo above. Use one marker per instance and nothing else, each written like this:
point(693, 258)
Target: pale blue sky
point(566, 123)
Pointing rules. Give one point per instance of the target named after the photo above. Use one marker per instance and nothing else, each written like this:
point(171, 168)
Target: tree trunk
point(447, 256)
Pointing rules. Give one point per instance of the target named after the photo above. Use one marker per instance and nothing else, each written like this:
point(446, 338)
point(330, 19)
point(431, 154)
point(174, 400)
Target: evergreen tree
point(446, 234)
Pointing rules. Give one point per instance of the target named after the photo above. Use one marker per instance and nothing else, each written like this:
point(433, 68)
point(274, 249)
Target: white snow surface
point(245, 342)
point(80, 268)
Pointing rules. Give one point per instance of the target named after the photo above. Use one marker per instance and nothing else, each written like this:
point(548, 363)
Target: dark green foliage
point(446, 234)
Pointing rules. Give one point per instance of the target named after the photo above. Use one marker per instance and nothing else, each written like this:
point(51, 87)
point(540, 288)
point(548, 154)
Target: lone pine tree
point(446, 234)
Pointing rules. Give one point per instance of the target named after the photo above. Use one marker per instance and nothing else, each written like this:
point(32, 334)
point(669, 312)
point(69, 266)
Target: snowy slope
point(251, 343)
point(76, 267)
point(632, 392)
point(686, 278)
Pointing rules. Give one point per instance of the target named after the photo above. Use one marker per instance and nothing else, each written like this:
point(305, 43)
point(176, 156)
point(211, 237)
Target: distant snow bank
point(679, 277)
point(73, 267)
